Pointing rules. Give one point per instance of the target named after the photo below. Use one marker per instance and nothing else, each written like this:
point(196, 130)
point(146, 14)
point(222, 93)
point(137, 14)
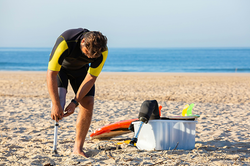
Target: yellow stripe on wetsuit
point(97, 71)
point(54, 62)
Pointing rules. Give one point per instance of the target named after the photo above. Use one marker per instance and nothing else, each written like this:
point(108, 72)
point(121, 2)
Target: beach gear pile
point(153, 132)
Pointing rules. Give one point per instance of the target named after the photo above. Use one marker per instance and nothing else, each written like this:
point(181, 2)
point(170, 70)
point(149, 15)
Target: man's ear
point(83, 40)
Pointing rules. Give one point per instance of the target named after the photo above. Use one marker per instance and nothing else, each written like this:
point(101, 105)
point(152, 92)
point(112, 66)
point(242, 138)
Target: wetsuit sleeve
point(59, 52)
point(96, 67)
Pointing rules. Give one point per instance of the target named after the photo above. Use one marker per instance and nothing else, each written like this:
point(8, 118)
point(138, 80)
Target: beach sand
point(222, 131)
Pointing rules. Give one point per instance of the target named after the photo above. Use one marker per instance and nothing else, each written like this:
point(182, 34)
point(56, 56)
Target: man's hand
point(56, 113)
point(70, 109)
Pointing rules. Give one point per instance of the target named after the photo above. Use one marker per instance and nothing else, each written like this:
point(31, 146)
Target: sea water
point(196, 60)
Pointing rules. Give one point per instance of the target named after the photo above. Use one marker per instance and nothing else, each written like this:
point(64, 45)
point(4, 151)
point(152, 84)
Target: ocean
point(194, 60)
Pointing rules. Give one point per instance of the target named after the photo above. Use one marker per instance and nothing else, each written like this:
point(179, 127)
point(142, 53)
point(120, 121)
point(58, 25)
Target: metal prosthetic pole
point(62, 97)
point(134, 140)
point(55, 137)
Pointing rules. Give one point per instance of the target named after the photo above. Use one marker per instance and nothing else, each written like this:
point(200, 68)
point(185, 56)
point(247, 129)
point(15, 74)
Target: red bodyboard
point(113, 129)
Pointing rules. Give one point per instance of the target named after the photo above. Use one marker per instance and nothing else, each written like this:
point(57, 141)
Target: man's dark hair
point(95, 42)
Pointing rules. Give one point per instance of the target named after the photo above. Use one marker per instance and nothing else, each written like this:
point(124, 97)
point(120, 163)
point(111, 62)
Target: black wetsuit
point(67, 58)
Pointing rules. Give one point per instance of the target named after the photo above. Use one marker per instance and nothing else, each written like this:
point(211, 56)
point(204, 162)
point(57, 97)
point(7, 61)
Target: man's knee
point(87, 102)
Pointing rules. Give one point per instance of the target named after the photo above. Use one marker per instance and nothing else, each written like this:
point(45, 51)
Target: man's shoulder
point(73, 34)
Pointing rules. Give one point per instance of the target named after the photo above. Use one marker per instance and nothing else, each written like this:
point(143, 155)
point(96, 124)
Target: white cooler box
point(166, 134)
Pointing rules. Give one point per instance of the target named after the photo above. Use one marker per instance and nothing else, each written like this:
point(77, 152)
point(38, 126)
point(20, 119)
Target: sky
point(128, 23)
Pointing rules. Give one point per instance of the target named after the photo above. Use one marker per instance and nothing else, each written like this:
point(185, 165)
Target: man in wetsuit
point(74, 50)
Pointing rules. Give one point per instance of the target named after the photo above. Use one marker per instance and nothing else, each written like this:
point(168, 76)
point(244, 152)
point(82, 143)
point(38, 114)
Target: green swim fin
point(189, 110)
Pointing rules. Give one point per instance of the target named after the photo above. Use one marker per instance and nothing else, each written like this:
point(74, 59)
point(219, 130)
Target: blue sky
point(128, 23)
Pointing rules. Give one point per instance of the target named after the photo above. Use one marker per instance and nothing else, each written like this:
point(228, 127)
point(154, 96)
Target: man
point(74, 50)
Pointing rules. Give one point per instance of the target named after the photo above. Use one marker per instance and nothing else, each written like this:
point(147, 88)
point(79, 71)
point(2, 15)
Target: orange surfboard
point(112, 130)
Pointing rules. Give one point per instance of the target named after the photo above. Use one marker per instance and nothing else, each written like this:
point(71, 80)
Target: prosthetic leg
point(149, 110)
point(62, 96)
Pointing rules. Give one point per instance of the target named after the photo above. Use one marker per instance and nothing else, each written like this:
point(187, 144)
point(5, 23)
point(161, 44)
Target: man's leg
point(82, 124)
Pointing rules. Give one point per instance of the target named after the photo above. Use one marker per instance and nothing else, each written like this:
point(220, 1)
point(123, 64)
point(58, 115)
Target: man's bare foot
point(78, 152)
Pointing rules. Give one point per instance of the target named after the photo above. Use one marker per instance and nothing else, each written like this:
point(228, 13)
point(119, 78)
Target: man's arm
point(84, 88)
point(56, 111)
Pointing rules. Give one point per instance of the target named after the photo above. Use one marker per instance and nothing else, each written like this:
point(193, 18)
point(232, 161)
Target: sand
point(221, 100)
